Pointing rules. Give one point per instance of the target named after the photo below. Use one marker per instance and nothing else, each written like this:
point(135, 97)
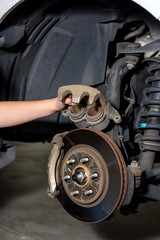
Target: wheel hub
point(80, 176)
point(84, 179)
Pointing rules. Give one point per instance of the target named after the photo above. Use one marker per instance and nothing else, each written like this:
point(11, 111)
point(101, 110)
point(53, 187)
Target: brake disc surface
point(93, 175)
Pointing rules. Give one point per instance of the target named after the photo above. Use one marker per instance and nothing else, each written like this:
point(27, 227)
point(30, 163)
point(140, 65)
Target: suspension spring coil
point(149, 115)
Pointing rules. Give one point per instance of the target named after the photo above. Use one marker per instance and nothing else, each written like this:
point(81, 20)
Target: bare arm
point(15, 113)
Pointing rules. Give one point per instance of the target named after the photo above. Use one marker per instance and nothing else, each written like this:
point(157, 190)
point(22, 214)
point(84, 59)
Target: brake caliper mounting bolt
point(94, 175)
point(66, 178)
point(134, 164)
point(75, 193)
point(84, 160)
point(89, 192)
point(71, 161)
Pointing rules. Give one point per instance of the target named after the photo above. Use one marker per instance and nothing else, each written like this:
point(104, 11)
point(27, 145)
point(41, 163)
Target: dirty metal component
point(136, 170)
point(94, 175)
point(97, 111)
point(130, 188)
point(115, 77)
point(149, 117)
point(78, 92)
point(143, 40)
point(81, 174)
point(97, 188)
point(75, 193)
point(52, 164)
point(129, 48)
point(84, 160)
point(136, 33)
point(89, 192)
point(67, 177)
point(71, 161)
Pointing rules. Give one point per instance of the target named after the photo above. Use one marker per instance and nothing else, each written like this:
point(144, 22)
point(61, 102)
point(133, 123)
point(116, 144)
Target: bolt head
point(134, 164)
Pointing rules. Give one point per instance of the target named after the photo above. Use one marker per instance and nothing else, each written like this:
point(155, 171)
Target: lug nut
point(75, 193)
point(84, 160)
point(71, 161)
point(89, 192)
point(66, 178)
point(94, 175)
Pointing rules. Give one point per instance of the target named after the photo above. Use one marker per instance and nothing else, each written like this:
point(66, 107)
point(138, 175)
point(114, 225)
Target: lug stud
point(71, 161)
point(94, 175)
point(89, 192)
point(84, 160)
point(75, 193)
point(66, 178)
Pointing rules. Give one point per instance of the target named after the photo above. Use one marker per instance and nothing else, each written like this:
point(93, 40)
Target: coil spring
point(149, 115)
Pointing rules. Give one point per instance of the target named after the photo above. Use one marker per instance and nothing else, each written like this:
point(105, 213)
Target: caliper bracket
point(55, 155)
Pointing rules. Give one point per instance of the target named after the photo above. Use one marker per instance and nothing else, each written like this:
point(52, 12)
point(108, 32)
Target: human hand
point(62, 105)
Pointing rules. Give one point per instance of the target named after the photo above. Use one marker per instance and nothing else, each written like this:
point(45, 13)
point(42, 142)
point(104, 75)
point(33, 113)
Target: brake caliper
point(92, 109)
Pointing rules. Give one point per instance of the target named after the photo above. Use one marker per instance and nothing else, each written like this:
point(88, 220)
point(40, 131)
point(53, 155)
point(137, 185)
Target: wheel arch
point(8, 6)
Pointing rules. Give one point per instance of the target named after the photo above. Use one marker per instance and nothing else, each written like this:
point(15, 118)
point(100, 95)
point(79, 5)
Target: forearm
point(14, 113)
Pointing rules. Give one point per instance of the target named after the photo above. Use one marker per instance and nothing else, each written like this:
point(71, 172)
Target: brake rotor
point(93, 175)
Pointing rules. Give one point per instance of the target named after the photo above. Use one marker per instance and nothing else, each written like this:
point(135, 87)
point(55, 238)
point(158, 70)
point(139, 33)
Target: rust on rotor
point(95, 164)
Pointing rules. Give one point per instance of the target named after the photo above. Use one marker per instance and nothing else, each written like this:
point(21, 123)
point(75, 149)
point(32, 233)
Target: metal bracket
point(53, 160)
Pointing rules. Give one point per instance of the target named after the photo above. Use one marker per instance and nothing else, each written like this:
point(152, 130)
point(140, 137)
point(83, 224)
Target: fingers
point(68, 101)
point(60, 106)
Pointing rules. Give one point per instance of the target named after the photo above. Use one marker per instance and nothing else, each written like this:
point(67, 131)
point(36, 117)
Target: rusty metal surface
point(123, 170)
point(108, 200)
point(130, 188)
point(99, 185)
point(95, 111)
point(80, 91)
point(52, 164)
point(137, 172)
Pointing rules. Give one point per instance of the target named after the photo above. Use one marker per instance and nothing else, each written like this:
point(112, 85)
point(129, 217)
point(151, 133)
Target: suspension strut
point(149, 117)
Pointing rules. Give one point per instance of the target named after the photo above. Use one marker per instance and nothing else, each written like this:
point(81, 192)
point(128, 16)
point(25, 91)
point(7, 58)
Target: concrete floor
point(27, 213)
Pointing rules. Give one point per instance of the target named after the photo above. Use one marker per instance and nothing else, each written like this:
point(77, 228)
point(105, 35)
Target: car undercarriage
point(106, 55)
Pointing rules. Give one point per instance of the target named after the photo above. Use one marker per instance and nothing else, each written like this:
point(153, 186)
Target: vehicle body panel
point(8, 6)
point(150, 6)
